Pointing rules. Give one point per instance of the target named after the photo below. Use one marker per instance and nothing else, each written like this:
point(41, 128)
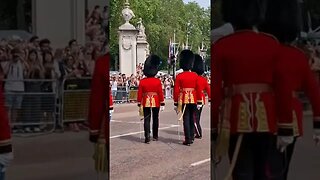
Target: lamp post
point(203, 54)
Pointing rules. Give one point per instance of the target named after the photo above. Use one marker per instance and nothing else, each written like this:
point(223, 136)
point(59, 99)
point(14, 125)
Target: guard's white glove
point(199, 107)
point(283, 142)
point(316, 136)
point(161, 108)
point(6, 158)
point(110, 112)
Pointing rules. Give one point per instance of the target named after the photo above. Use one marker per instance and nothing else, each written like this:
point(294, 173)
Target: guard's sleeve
point(283, 96)
point(5, 132)
point(139, 96)
point(312, 90)
point(98, 97)
point(110, 102)
point(160, 94)
point(199, 88)
point(217, 92)
point(176, 90)
point(207, 89)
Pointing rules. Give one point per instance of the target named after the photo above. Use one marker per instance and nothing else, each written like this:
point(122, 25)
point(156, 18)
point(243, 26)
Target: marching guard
point(150, 97)
point(203, 85)
point(282, 22)
point(186, 94)
point(244, 116)
point(98, 113)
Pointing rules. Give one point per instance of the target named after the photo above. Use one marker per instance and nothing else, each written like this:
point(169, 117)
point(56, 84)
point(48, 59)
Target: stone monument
point(142, 44)
point(127, 43)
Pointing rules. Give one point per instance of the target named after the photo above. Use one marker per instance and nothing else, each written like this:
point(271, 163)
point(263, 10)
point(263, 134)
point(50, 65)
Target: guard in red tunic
point(6, 154)
point(282, 21)
point(245, 95)
point(203, 86)
point(186, 94)
point(98, 124)
point(150, 97)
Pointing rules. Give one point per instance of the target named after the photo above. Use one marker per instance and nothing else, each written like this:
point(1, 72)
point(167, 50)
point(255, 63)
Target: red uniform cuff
point(94, 132)
point(285, 129)
point(199, 102)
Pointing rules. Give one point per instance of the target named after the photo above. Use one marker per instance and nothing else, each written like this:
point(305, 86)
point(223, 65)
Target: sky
point(202, 3)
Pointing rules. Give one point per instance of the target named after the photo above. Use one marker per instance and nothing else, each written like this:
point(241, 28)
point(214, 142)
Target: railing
point(34, 109)
point(121, 94)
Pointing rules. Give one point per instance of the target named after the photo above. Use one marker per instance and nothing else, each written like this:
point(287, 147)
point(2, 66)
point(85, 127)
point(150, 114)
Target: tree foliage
point(161, 18)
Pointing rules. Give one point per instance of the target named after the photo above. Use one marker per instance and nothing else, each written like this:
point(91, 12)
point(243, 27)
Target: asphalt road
point(167, 158)
point(68, 156)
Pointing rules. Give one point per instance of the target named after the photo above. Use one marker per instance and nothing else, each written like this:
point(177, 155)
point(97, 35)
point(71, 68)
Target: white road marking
point(129, 122)
point(200, 162)
point(128, 134)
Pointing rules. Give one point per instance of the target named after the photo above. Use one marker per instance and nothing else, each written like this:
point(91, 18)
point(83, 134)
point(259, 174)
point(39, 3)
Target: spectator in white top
point(15, 72)
point(114, 88)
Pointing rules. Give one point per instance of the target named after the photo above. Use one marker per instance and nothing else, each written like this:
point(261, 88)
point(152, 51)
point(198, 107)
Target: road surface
point(67, 156)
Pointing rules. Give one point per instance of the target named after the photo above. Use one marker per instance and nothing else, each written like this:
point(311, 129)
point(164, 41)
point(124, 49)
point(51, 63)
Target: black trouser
point(198, 129)
point(289, 153)
point(147, 119)
point(188, 121)
point(258, 158)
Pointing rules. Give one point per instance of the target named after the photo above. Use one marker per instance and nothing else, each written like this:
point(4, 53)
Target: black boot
point(147, 140)
point(186, 143)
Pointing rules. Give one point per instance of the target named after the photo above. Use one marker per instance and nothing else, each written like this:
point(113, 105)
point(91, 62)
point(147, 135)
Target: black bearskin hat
point(151, 66)
point(186, 60)
point(198, 66)
point(243, 14)
point(282, 20)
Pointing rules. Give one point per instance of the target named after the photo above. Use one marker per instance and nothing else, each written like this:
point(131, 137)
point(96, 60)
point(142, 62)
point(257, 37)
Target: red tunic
point(5, 132)
point(186, 89)
point(243, 64)
point(98, 112)
point(110, 101)
point(150, 93)
point(204, 86)
point(294, 66)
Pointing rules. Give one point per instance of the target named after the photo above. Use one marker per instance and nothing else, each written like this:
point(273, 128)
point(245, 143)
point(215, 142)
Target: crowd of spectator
point(121, 84)
point(28, 65)
point(97, 26)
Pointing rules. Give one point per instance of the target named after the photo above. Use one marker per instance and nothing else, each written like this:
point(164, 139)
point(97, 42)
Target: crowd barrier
point(33, 109)
point(75, 95)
